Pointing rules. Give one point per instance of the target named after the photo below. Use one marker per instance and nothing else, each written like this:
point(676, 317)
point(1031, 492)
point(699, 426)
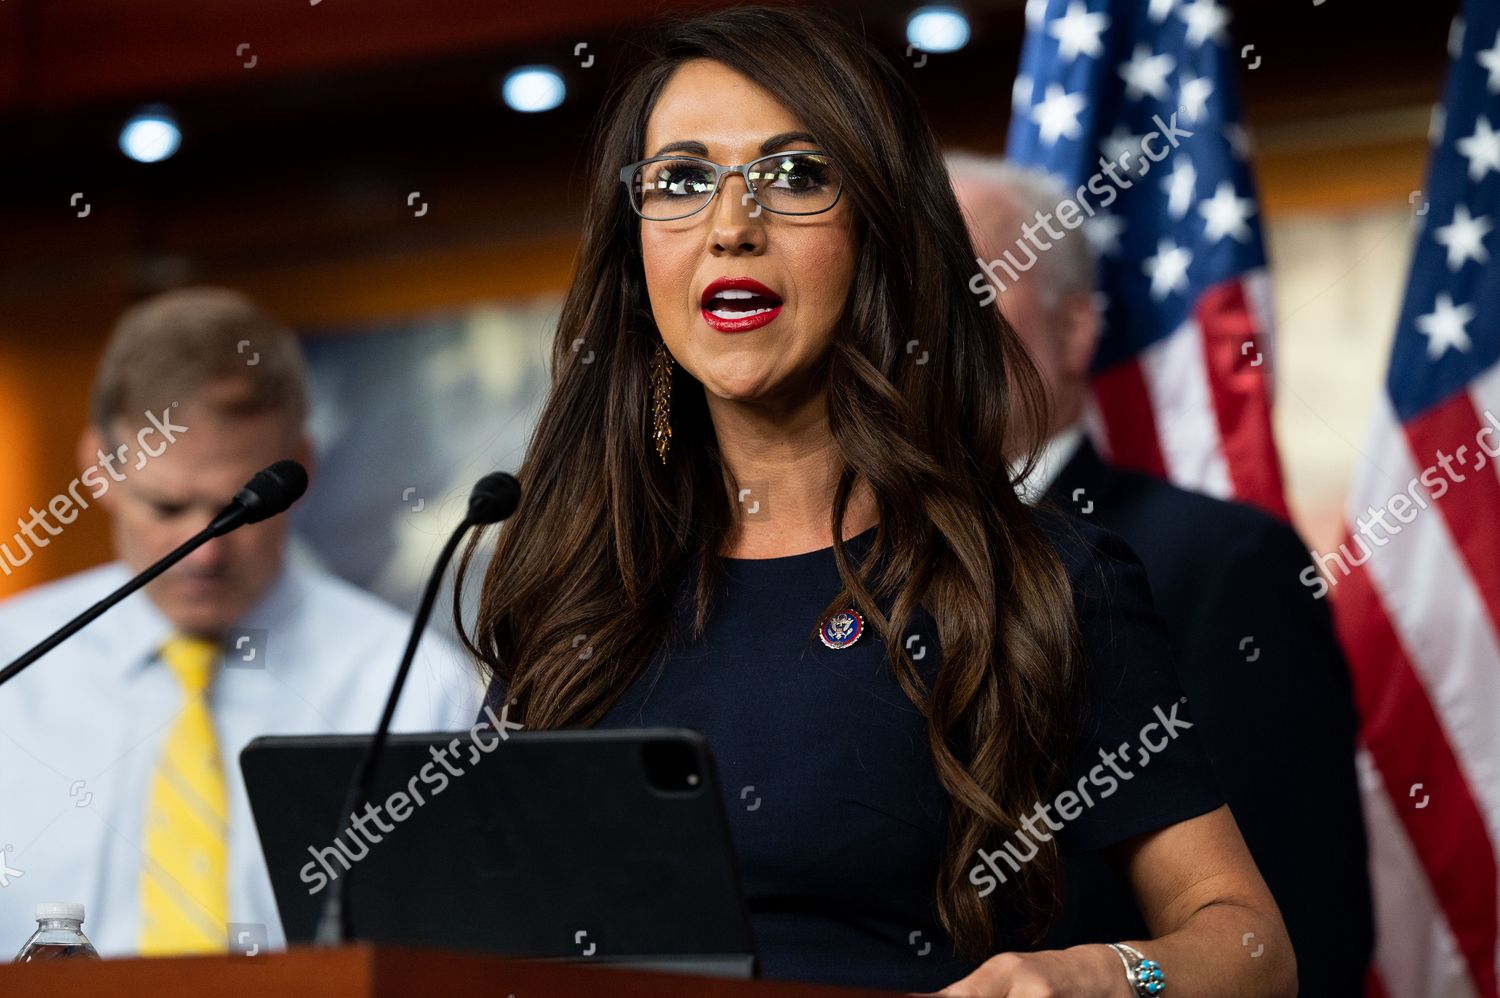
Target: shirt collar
point(131, 632)
point(1055, 455)
point(134, 631)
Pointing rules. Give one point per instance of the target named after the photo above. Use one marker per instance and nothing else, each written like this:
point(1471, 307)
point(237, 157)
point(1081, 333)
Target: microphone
point(493, 498)
point(270, 492)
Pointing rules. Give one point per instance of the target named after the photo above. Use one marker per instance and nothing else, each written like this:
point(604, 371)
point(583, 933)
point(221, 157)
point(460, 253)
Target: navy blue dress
point(833, 801)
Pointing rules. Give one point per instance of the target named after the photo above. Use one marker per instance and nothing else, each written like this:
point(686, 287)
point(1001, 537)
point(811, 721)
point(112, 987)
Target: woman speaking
point(770, 485)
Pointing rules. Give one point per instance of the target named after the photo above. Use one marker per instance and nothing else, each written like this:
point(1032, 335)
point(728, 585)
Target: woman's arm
point(1218, 933)
point(1217, 928)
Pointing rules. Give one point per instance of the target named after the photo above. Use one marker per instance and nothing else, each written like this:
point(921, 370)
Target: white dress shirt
point(1056, 453)
point(82, 729)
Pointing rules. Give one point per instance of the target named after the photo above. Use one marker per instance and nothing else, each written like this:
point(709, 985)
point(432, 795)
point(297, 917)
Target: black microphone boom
point(494, 497)
point(270, 492)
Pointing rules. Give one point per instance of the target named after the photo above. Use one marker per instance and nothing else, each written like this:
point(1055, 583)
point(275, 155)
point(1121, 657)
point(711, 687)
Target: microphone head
point(494, 498)
point(272, 490)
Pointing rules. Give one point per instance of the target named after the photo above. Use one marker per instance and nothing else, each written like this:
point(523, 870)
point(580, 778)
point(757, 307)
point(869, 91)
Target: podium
point(368, 971)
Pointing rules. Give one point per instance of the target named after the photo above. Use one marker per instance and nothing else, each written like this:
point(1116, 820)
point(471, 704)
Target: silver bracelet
point(1144, 975)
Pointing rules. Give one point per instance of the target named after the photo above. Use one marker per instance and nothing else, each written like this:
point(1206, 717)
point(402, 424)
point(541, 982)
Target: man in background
point(119, 778)
point(1255, 652)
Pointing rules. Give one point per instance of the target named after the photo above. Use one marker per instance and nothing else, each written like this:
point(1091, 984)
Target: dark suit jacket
point(1270, 698)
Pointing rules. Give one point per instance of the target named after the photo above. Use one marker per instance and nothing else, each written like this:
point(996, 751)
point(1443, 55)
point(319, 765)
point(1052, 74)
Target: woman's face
point(708, 110)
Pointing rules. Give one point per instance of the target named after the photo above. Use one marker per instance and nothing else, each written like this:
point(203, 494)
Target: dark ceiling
point(352, 104)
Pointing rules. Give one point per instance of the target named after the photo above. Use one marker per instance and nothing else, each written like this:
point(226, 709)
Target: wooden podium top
point(367, 971)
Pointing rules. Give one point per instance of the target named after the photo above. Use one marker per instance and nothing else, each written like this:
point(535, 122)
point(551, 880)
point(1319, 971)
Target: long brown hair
point(921, 379)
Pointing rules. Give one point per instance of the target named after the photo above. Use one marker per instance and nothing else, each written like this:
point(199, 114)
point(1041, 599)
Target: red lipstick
point(739, 304)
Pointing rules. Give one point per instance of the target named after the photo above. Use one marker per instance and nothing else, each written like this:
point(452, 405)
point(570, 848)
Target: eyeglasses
point(664, 188)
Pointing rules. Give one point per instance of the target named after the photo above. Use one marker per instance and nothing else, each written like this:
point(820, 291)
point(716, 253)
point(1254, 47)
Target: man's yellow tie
point(185, 881)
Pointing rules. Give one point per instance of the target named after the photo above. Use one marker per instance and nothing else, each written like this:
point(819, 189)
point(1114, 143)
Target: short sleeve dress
point(834, 804)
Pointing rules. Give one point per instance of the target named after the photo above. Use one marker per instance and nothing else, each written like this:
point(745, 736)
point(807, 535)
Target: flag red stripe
point(1469, 507)
point(1129, 418)
point(1238, 370)
point(1407, 740)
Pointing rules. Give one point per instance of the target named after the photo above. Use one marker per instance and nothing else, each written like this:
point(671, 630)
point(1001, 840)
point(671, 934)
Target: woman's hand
point(1202, 898)
point(1079, 972)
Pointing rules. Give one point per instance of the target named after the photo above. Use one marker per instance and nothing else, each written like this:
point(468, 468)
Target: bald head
point(1049, 300)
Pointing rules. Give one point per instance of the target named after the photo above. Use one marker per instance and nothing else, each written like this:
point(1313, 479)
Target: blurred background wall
point(353, 166)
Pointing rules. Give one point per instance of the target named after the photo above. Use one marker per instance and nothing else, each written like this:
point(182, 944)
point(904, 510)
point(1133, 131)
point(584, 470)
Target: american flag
point(1419, 608)
point(1182, 379)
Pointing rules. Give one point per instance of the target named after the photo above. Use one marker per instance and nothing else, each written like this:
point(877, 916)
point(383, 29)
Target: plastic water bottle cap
point(60, 909)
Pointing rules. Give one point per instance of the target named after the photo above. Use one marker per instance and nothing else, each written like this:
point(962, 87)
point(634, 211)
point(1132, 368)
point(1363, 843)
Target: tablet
point(605, 846)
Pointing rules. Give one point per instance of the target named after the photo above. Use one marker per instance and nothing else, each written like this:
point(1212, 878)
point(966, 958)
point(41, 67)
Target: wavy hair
point(604, 530)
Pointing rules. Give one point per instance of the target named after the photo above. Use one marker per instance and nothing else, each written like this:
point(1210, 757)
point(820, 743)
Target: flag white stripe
point(1484, 391)
point(1261, 304)
point(1416, 954)
point(1094, 425)
point(1187, 426)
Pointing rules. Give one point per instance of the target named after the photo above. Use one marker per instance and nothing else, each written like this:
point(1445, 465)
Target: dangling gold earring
point(661, 400)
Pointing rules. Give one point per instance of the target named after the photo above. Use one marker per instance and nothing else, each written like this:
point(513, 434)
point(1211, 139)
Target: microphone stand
point(333, 921)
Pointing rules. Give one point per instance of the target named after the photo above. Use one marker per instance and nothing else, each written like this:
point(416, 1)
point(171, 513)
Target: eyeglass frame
point(720, 172)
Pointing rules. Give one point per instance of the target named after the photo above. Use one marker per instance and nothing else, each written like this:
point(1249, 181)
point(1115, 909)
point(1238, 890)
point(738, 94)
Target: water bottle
point(59, 934)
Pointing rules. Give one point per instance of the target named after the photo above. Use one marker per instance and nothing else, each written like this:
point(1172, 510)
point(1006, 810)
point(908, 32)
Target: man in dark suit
point(1255, 651)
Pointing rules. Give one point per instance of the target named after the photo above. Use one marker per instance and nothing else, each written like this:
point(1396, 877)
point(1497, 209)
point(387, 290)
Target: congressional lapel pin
point(842, 629)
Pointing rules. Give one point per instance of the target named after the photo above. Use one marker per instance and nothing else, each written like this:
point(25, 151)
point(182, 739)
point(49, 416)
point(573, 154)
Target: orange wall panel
point(45, 372)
